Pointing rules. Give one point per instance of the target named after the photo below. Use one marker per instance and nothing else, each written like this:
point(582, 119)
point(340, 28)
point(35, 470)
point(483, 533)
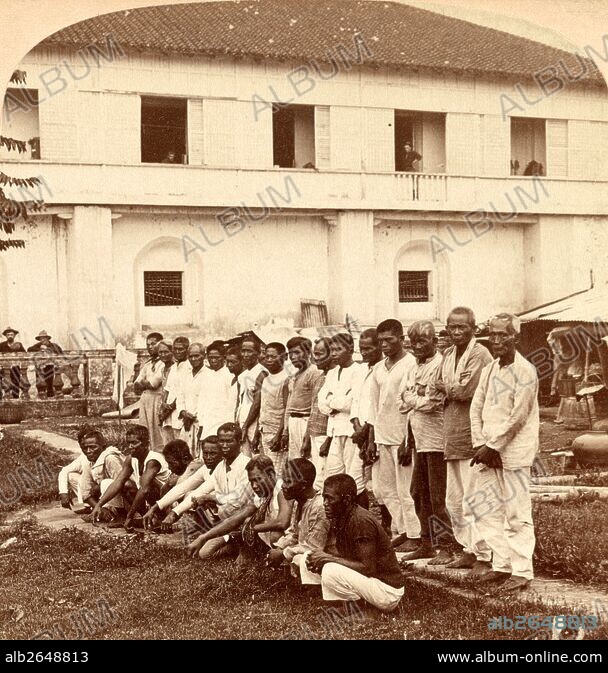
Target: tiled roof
point(301, 30)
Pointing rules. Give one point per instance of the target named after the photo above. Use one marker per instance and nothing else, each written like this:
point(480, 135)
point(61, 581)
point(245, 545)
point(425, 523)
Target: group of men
point(13, 380)
point(253, 456)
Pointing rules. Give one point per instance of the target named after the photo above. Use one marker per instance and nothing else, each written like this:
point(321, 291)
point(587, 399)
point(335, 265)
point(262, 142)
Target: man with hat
point(13, 384)
point(46, 370)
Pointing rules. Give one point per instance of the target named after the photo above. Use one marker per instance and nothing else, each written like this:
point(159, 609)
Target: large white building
point(306, 198)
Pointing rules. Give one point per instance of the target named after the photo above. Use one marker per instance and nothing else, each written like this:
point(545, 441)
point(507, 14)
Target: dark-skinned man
point(309, 527)
point(104, 464)
point(335, 401)
point(505, 428)
point(250, 390)
point(148, 385)
point(171, 424)
point(459, 377)
point(364, 566)
point(234, 362)
point(211, 457)
point(360, 408)
point(301, 388)
point(140, 481)
point(316, 442)
point(187, 400)
point(391, 470)
point(262, 517)
point(421, 399)
point(223, 493)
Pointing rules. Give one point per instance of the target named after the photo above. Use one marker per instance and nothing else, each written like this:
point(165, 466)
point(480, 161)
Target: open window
point(528, 146)
point(163, 130)
point(21, 122)
point(293, 136)
point(424, 132)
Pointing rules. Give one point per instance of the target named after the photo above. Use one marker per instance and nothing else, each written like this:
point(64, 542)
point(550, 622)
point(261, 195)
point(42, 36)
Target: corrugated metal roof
point(590, 306)
point(301, 30)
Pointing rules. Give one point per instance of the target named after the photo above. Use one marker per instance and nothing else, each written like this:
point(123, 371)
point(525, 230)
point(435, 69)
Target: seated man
point(309, 526)
point(141, 479)
point(365, 566)
point(186, 483)
point(178, 457)
point(222, 494)
point(103, 465)
point(262, 519)
point(70, 476)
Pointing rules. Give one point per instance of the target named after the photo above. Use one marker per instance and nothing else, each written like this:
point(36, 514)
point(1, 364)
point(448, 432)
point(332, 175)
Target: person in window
point(410, 157)
point(170, 158)
point(534, 168)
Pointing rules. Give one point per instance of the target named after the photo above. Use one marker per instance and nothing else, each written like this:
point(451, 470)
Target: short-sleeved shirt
point(161, 476)
point(272, 401)
point(360, 526)
point(301, 387)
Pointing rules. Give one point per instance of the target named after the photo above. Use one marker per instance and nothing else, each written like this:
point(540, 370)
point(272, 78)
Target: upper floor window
point(528, 146)
point(21, 122)
point(414, 286)
point(293, 136)
point(163, 288)
point(163, 129)
point(419, 142)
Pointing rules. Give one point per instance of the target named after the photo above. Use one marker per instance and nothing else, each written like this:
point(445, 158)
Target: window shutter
point(195, 131)
point(557, 147)
point(463, 143)
point(322, 137)
point(221, 128)
point(379, 140)
point(59, 128)
point(122, 128)
point(496, 140)
point(345, 133)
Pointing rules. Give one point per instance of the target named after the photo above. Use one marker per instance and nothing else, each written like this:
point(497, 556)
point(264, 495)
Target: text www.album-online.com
point(487, 657)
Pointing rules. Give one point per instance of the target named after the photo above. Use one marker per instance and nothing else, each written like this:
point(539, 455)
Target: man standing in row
point(214, 400)
point(175, 380)
point(250, 390)
point(391, 475)
point(505, 427)
point(187, 402)
point(459, 377)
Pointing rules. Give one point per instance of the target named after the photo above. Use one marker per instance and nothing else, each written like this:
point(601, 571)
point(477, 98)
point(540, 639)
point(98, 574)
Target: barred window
point(163, 288)
point(414, 286)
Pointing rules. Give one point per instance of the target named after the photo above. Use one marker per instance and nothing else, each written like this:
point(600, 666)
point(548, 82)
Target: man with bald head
point(504, 429)
point(188, 394)
point(423, 401)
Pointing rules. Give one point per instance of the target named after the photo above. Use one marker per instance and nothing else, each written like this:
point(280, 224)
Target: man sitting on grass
point(103, 465)
point(212, 456)
point(70, 476)
point(178, 457)
point(365, 566)
point(222, 494)
point(140, 481)
point(262, 518)
point(309, 526)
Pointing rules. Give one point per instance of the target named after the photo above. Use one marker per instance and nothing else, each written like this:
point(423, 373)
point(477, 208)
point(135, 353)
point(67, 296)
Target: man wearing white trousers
point(459, 377)
point(504, 428)
point(335, 400)
point(391, 479)
point(364, 567)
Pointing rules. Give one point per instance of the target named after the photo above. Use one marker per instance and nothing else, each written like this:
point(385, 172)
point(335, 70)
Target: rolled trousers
point(460, 487)
point(339, 583)
point(391, 483)
point(502, 507)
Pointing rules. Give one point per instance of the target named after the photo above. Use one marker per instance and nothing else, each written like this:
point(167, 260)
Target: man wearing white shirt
point(335, 400)
point(70, 476)
point(504, 429)
point(215, 399)
point(391, 474)
point(250, 391)
point(224, 492)
point(185, 484)
point(172, 424)
point(187, 401)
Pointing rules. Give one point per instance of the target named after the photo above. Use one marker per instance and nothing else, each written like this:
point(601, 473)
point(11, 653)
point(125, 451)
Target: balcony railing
point(299, 189)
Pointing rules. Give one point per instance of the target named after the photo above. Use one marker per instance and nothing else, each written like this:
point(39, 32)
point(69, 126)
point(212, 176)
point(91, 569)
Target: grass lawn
point(73, 584)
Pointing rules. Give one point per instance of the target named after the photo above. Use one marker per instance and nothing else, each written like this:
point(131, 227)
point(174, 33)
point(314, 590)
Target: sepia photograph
point(304, 317)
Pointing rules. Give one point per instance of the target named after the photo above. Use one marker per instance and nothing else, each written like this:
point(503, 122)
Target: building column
point(351, 267)
point(89, 262)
